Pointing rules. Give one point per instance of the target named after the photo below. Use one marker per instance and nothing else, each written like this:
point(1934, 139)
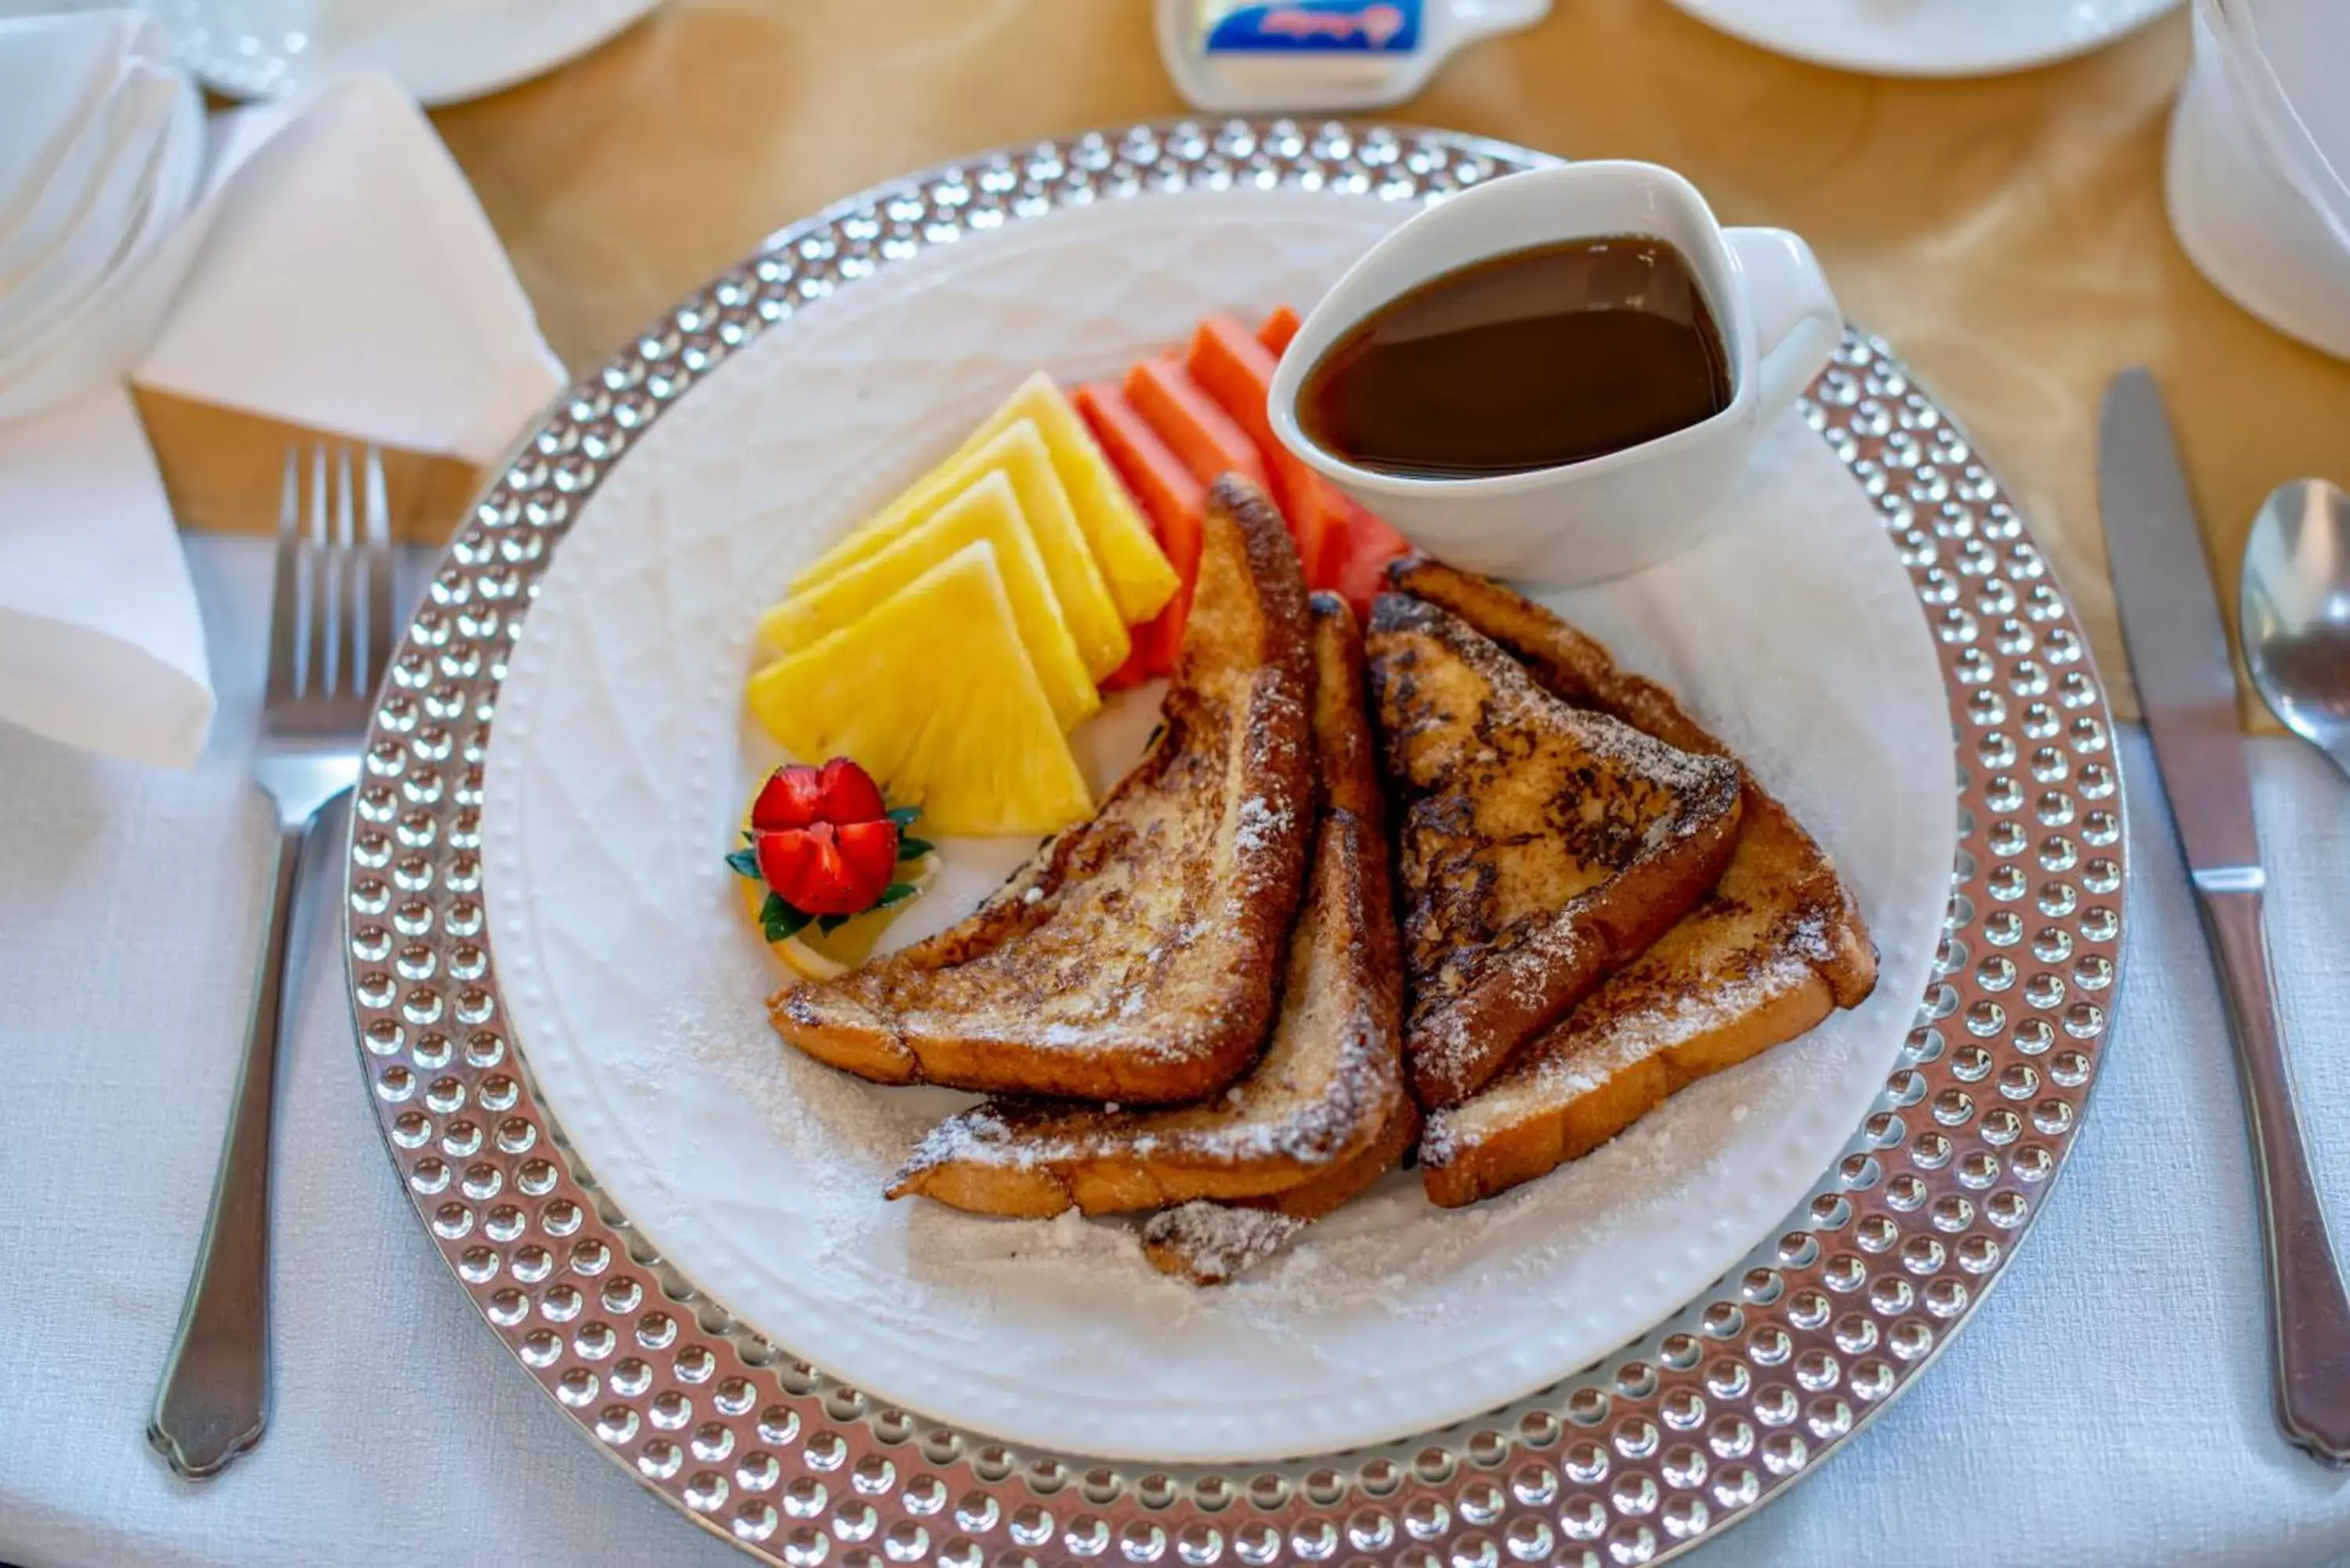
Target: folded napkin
point(108, 139)
point(350, 282)
point(320, 261)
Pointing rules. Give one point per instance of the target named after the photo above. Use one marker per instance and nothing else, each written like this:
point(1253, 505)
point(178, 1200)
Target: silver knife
point(2187, 689)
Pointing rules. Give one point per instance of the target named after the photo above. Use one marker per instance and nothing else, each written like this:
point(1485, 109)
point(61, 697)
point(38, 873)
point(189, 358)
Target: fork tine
point(350, 632)
point(286, 633)
point(378, 566)
point(320, 644)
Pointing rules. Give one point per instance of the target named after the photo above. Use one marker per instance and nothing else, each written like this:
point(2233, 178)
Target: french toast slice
point(1540, 844)
point(1210, 1243)
point(1766, 955)
point(1135, 957)
point(1324, 1109)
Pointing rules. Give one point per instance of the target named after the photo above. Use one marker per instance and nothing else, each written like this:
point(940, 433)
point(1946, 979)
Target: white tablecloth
point(2109, 1404)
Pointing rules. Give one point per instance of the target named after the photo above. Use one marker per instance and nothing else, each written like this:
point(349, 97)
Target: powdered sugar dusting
point(1327, 1079)
point(918, 1266)
point(978, 1133)
point(1218, 1242)
point(1389, 1254)
point(1258, 824)
point(1682, 772)
point(1448, 1035)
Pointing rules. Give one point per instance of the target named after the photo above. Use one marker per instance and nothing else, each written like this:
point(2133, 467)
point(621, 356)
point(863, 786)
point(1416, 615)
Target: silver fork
point(330, 635)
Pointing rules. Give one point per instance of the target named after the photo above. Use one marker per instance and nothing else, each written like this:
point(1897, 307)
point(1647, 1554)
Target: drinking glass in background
point(2258, 176)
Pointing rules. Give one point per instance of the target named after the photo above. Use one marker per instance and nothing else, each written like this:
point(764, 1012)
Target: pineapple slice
point(986, 509)
point(1019, 451)
point(1140, 576)
point(933, 693)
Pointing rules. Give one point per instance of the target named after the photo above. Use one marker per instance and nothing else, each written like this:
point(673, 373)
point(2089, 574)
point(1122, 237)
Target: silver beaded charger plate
point(1741, 1375)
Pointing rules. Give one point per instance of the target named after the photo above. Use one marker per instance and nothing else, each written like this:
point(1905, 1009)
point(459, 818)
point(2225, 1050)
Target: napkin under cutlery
point(320, 261)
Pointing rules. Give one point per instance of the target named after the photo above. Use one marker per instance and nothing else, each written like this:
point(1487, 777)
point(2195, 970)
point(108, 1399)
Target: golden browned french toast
point(1209, 1243)
point(1565, 662)
point(1136, 957)
point(1541, 846)
point(1326, 1096)
point(1768, 953)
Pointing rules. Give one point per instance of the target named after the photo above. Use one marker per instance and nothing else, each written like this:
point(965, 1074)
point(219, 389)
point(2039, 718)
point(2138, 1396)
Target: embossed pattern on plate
point(1666, 1443)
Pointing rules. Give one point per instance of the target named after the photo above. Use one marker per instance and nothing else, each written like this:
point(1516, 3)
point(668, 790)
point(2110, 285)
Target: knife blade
point(2177, 644)
point(2187, 689)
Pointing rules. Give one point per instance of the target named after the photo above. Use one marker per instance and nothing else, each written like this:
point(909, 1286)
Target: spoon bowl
point(2293, 618)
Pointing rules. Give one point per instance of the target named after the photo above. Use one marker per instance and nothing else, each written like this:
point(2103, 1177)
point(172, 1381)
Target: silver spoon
point(2293, 616)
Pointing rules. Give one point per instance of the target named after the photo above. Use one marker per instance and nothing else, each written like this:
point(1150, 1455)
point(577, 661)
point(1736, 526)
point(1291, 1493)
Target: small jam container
point(1234, 56)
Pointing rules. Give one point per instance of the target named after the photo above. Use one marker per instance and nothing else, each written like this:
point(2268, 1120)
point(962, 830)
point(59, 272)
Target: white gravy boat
point(1602, 516)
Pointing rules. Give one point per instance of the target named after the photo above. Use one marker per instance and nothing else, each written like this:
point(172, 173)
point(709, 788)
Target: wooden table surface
point(2006, 234)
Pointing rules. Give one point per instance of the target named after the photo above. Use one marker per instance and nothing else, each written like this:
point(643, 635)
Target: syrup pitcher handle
point(1796, 323)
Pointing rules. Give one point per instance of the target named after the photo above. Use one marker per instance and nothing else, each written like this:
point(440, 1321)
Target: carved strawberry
point(798, 796)
point(828, 870)
point(826, 845)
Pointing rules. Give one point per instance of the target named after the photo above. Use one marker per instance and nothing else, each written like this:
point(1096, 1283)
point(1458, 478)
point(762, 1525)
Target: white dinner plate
point(635, 986)
point(442, 51)
point(1929, 38)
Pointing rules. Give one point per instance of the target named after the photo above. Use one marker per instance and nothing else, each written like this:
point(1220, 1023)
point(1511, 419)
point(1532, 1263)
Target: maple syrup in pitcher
point(1531, 359)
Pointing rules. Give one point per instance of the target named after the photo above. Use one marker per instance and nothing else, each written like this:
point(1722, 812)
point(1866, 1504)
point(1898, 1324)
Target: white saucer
point(1927, 37)
point(442, 51)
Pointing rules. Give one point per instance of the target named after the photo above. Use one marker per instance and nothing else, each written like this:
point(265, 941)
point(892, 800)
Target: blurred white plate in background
point(1927, 37)
point(442, 51)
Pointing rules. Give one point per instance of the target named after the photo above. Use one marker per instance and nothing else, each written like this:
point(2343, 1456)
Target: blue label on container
point(1319, 26)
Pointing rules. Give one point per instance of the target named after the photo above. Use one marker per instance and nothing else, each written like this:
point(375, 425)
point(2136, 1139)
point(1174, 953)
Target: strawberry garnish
point(828, 870)
point(788, 799)
point(798, 796)
point(868, 851)
point(848, 794)
point(827, 846)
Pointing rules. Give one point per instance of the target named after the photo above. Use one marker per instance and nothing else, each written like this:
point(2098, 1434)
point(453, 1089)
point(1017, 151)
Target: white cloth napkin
point(321, 261)
point(99, 641)
point(351, 281)
point(105, 172)
point(2107, 1406)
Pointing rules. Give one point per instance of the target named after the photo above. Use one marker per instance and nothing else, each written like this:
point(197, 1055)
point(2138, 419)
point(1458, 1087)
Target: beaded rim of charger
point(1666, 1443)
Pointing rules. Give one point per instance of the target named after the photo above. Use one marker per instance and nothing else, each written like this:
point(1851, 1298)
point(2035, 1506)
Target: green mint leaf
point(779, 919)
point(905, 816)
point(749, 837)
point(745, 862)
point(828, 924)
point(914, 848)
point(895, 893)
